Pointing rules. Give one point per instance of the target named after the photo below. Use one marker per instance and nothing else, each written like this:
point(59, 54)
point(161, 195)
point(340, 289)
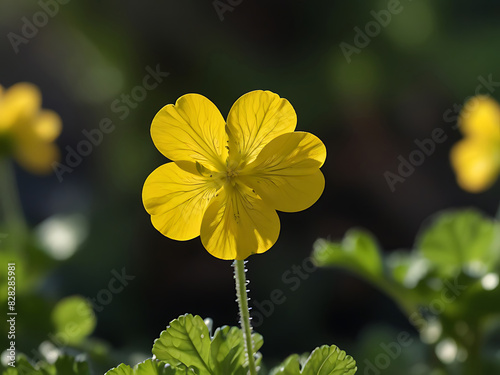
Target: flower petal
point(297, 153)
point(47, 125)
point(288, 193)
point(238, 224)
point(255, 119)
point(476, 163)
point(34, 154)
point(19, 103)
point(286, 173)
point(481, 118)
point(193, 129)
point(34, 149)
point(177, 200)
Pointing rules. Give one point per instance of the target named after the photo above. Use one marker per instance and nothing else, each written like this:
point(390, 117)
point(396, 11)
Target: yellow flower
point(27, 132)
point(476, 158)
point(227, 180)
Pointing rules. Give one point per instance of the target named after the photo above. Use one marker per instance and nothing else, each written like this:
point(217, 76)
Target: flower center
point(231, 175)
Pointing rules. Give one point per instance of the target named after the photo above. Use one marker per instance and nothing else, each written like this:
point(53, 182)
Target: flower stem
point(242, 298)
point(11, 205)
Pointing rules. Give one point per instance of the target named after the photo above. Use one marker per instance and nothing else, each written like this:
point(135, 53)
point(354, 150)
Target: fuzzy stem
point(242, 298)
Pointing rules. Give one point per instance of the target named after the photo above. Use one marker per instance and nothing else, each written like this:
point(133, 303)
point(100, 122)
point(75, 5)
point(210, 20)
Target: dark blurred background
point(408, 78)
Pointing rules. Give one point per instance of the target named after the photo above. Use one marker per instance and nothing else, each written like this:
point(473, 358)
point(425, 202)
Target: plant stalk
point(10, 206)
point(242, 298)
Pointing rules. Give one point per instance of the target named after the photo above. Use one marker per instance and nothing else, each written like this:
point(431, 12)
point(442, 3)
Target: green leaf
point(65, 365)
point(150, 367)
point(24, 367)
point(153, 367)
point(227, 351)
point(187, 341)
point(407, 268)
point(325, 360)
point(73, 319)
point(358, 252)
point(459, 239)
point(121, 370)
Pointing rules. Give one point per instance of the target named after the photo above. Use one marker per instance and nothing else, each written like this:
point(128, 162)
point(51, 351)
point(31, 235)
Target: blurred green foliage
point(447, 285)
point(73, 319)
point(63, 365)
point(423, 65)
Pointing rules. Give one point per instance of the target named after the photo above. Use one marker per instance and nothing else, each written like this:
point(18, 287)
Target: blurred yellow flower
point(27, 132)
point(227, 180)
point(476, 158)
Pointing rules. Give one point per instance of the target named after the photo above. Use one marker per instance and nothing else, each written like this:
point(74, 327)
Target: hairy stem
point(242, 298)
